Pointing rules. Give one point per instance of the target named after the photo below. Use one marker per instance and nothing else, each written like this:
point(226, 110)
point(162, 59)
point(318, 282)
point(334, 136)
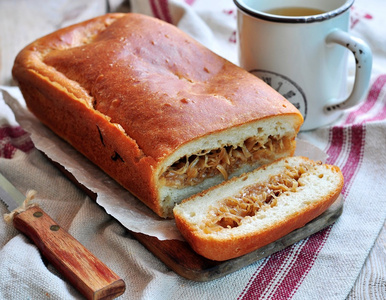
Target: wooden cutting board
point(179, 256)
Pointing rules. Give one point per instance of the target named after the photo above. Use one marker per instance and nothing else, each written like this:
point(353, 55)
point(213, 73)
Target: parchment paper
point(117, 201)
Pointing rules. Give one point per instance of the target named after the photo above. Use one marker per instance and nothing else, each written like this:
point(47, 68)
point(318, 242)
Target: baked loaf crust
point(154, 109)
point(255, 209)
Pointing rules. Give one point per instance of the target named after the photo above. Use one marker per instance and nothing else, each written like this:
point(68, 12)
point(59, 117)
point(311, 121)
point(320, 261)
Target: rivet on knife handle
point(85, 271)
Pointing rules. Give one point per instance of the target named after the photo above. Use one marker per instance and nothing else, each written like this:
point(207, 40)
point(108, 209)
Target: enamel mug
point(300, 48)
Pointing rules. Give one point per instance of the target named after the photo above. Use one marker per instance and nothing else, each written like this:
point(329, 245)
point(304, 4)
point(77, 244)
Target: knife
point(78, 265)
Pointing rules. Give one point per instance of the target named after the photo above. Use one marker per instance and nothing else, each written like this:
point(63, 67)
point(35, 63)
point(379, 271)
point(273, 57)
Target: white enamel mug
point(304, 57)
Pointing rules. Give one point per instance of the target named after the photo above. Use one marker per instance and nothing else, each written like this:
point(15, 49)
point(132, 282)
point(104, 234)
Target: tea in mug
point(295, 11)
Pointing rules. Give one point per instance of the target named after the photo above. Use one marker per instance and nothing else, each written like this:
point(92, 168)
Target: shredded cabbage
point(232, 210)
point(191, 170)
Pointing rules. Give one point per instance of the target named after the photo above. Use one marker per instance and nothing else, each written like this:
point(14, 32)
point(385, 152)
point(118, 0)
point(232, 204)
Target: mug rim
point(293, 19)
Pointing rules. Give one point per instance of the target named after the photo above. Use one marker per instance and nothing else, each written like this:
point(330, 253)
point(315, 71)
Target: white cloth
point(331, 258)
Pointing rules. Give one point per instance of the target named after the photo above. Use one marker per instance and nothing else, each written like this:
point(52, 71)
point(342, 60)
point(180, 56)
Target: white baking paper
point(117, 201)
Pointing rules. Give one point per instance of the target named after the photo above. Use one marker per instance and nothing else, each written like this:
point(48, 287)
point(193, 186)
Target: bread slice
point(257, 208)
point(157, 111)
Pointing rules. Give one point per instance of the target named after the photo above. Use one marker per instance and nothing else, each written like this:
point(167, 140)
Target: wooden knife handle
point(79, 266)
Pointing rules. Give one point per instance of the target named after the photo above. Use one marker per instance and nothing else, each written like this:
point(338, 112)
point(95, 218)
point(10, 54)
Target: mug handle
point(363, 60)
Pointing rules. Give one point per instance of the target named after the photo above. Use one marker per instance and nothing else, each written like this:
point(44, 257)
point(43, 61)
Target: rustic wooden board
point(179, 256)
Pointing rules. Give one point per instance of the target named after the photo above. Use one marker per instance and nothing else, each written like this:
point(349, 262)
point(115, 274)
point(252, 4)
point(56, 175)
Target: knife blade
point(76, 263)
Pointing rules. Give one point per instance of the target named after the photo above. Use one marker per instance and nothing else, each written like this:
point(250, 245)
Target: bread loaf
point(157, 111)
point(255, 209)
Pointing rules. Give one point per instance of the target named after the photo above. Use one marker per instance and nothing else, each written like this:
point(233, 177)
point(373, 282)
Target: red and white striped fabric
point(281, 275)
point(13, 138)
point(350, 143)
point(323, 266)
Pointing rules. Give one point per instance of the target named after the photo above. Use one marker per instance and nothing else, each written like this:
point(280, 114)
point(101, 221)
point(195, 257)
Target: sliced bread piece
point(257, 208)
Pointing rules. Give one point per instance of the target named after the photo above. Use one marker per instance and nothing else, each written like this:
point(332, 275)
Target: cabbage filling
point(193, 169)
point(258, 197)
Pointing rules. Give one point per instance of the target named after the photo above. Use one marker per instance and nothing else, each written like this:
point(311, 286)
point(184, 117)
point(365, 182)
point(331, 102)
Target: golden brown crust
point(221, 250)
point(161, 87)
